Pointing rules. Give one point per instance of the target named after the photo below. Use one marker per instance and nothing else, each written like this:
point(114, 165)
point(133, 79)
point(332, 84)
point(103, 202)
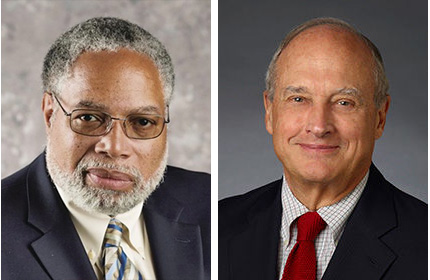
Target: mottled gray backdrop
point(28, 28)
point(249, 32)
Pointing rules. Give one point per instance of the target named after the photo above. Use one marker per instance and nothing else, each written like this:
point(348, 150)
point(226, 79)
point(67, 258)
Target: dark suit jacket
point(385, 237)
point(39, 240)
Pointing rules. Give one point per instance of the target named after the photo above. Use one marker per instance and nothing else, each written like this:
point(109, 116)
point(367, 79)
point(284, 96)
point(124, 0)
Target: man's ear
point(47, 110)
point(268, 105)
point(381, 118)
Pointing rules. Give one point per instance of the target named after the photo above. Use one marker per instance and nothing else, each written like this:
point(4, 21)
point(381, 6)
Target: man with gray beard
point(101, 203)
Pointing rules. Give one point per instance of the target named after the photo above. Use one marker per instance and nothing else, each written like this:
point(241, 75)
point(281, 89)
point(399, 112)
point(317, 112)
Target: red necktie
point(301, 263)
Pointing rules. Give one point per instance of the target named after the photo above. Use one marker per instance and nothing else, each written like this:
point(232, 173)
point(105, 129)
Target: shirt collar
point(337, 214)
point(91, 226)
point(334, 215)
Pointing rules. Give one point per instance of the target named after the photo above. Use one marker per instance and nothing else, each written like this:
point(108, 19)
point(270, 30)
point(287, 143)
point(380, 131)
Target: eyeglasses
point(98, 123)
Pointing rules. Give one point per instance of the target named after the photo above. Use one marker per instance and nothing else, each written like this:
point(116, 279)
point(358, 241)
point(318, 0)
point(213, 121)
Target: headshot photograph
point(322, 140)
point(106, 140)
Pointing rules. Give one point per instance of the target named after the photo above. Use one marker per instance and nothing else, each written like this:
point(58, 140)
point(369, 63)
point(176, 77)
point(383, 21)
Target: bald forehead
point(324, 53)
point(337, 38)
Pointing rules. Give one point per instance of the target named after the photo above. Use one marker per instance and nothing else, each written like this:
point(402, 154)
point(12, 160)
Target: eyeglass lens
point(96, 123)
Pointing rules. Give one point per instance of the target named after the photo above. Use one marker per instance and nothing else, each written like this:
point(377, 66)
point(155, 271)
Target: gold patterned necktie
point(115, 262)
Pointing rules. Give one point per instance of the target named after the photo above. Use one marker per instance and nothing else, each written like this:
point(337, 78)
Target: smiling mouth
point(109, 179)
point(318, 148)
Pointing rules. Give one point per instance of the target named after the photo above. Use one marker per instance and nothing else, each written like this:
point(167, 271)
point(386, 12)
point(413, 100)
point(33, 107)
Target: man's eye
point(298, 99)
point(344, 103)
point(89, 118)
point(142, 122)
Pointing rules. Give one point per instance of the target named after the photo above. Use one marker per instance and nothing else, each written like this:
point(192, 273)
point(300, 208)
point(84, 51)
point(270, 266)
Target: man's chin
point(119, 192)
point(108, 202)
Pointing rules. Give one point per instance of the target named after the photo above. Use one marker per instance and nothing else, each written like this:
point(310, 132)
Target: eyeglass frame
point(110, 124)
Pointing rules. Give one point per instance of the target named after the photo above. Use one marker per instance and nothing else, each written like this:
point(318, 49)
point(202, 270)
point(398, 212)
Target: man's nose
point(319, 120)
point(115, 144)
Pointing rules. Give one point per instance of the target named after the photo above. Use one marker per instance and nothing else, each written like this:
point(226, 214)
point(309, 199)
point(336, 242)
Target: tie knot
point(113, 233)
point(309, 226)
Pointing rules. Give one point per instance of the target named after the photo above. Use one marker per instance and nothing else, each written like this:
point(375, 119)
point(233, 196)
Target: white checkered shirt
point(334, 215)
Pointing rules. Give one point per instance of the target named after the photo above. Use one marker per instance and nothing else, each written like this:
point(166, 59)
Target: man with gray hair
point(100, 202)
point(333, 215)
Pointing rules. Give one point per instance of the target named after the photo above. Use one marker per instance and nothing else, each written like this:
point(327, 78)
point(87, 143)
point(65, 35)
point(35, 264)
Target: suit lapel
point(62, 255)
point(361, 254)
point(59, 248)
point(176, 247)
point(253, 253)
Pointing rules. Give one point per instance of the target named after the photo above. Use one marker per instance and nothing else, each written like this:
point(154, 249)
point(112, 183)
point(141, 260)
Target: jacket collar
point(176, 246)
point(59, 248)
point(254, 250)
point(361, 253)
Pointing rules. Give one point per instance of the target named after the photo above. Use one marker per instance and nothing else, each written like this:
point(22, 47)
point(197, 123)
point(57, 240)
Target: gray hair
point(381, 81)
point(104, 33)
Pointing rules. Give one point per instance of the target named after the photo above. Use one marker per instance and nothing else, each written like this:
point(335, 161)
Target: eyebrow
point(150, 109)
point(345, 90)
point(348, 91)
point(294, 89)
point(351, 92)
point(91, 105)
point(146, 110)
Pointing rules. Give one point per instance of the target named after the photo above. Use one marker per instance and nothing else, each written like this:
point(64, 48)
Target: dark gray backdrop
point(249, 33)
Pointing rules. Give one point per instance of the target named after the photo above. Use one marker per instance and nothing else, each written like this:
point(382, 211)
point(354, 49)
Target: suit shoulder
point(188, 187)
point(182, 181)
point(14, 180)
point(19, 178)
point(249, 199)
point(181, 175)
point(408, 205)
point(14, 191)
point(233, 211)
point(408, 239)
point(14, 203)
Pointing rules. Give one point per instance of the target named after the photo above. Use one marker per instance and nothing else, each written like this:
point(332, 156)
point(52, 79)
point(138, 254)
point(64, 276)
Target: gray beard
point(94, 199)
